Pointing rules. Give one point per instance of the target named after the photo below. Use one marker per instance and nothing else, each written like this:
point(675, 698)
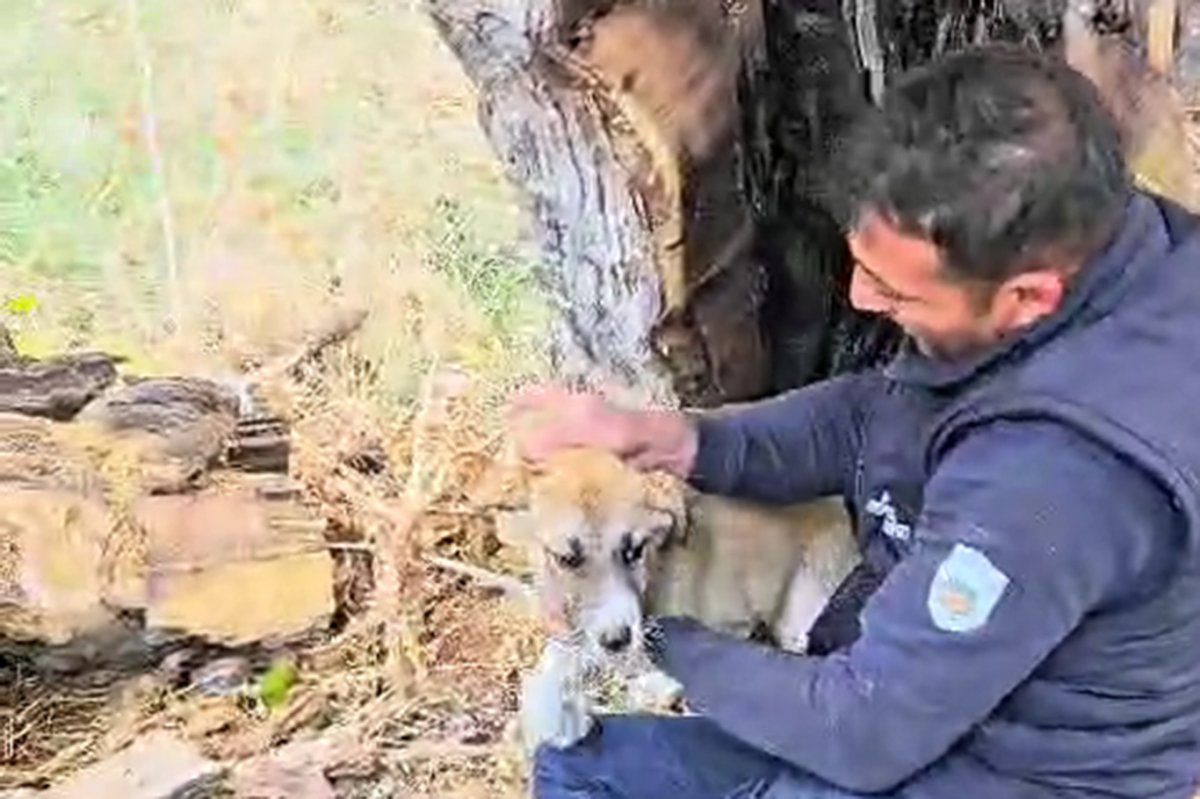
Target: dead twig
point(1161, 25)
point(349, 546)
point(394, 536)
point(335, 331)
point(511, 586)
point(442, 750)
point(153, 145)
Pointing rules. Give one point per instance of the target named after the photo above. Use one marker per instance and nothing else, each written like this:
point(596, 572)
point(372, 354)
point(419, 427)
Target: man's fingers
point(532, 423)
point(546, 418)
point(644, 461)
point(533, 397)
point(538, 433)
point(528, 405)
point(542, 405)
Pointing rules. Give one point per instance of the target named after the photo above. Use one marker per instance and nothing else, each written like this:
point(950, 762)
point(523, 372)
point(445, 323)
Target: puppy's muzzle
point(616, 640)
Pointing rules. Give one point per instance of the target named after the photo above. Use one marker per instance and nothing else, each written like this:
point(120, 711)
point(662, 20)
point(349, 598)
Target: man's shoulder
point(1128, 386)
point(1051, 482)
point(1044, 457)
point(1035, 440)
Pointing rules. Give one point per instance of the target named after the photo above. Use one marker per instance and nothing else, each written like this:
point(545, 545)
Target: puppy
point(611, 545)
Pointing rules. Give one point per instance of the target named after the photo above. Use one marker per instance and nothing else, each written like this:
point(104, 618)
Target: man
point(1024, 477)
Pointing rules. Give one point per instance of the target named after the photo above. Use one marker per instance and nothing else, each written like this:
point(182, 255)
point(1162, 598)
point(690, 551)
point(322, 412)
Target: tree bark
point(622, 125)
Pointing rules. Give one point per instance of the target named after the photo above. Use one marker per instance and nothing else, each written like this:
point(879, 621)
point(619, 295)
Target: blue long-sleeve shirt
point(896, 701)
point(1038, 630)
point(803, 443)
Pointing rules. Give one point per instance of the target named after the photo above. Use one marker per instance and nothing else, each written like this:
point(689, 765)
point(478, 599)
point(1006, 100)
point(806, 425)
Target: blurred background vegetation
point(312, 152)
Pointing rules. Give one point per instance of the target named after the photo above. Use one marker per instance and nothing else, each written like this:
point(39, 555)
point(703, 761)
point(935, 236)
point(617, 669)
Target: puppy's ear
point(669, 525)
point(516, 529)
point(667, 505)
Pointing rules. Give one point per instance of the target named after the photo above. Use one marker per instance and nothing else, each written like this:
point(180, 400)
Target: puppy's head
point(595, 528)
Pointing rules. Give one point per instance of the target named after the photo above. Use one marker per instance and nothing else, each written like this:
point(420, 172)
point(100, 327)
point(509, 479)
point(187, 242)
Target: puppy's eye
point(572, 560)
point(632, 551)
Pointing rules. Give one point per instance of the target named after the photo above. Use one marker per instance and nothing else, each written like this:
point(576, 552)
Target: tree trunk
point(622, 125)
point(673, 156)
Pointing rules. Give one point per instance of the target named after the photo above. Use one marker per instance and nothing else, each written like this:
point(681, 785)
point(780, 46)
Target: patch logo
point(965, 590)
point(882, 508)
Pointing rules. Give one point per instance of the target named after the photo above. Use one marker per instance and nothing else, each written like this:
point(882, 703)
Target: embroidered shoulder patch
point(964, 590)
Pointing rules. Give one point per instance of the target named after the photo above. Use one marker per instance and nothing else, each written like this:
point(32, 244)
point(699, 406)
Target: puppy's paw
point(554, 705)
point(552, 712)
point(654, 691)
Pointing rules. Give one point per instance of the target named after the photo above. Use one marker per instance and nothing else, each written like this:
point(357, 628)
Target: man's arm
point(796, 446)
point(789, 448)
point(1028, 526)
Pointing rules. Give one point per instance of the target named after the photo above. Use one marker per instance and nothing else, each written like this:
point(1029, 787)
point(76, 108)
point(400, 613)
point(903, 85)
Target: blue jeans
point(662, 757)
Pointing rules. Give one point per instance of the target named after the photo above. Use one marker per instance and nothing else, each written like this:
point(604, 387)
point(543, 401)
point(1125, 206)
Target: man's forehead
point(876, 241)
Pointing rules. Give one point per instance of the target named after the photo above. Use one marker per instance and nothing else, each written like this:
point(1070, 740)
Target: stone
point(297, 770)
point(222, 677)
point(233, 568)
point(51, 557)
point(157, 765)
point(180, 426)
point(54, 388)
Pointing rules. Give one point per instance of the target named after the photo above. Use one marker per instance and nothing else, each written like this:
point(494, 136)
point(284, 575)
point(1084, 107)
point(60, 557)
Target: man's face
point(901, 276)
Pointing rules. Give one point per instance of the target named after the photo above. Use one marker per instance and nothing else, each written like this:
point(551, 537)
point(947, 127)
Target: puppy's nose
point(616, 640)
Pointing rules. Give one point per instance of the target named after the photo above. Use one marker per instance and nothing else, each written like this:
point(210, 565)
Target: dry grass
point(43, 731)
point(316, 154)
point(438, 727)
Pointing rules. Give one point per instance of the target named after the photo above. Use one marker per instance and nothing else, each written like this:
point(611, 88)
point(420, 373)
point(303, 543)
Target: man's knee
point(609, 763)
point(551, 772)
point(640, 757)
point(565, 774)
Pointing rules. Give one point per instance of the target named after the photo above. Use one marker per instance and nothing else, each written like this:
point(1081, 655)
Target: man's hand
point(546, 419)
point(549, 418)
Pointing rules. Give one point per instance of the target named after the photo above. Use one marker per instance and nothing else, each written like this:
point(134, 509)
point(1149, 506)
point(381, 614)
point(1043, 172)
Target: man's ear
point(1027, 297)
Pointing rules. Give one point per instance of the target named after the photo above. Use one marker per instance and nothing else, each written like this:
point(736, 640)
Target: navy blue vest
point(1120, 362)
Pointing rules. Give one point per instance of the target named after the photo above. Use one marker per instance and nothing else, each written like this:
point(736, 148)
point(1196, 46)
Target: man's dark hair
point(998, 155)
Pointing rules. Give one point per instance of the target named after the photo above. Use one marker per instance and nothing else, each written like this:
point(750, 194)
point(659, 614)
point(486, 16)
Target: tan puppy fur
point(612, 545)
